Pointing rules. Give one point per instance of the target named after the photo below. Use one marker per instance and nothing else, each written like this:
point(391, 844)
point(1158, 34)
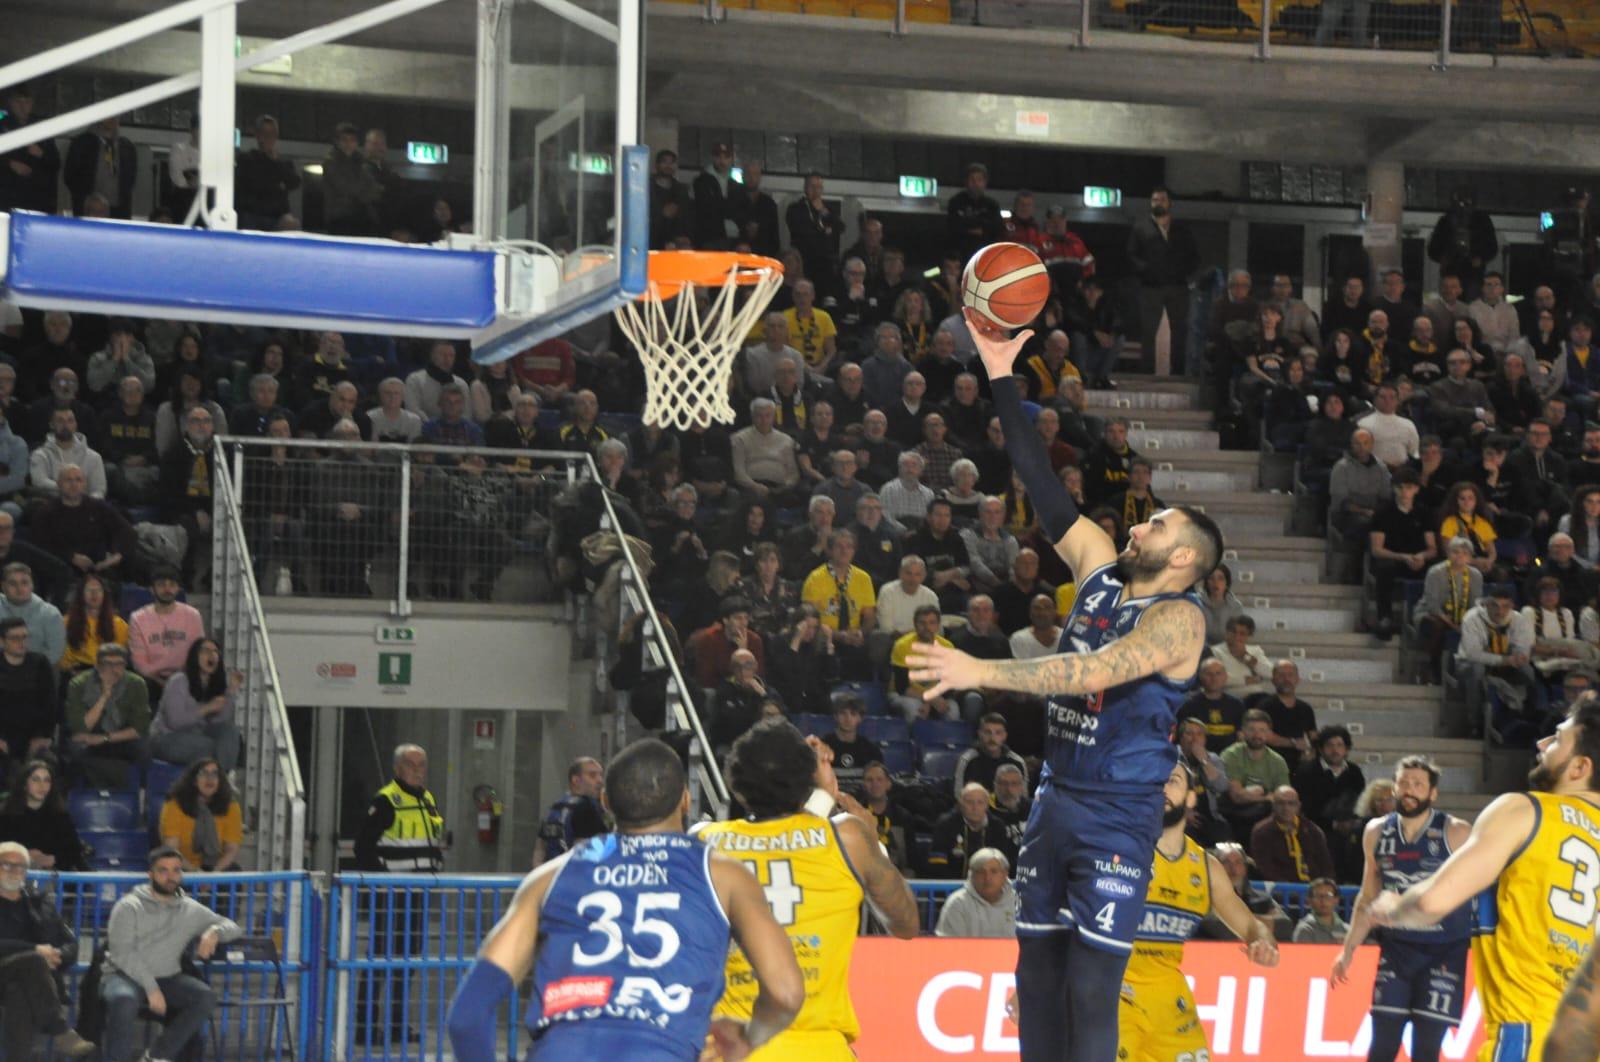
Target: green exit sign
point(918, 187)
point(592, 162)
point(422, 153)
point(1096, 196)
point(388, 635)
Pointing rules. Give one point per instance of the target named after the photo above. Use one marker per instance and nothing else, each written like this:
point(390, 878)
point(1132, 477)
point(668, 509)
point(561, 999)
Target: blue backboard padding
point(251, 275)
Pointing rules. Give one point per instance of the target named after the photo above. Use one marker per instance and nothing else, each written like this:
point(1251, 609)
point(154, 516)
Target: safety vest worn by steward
point(412, 841)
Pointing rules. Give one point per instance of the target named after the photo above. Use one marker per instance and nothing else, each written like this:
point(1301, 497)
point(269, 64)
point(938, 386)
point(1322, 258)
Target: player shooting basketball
point(1129, 651)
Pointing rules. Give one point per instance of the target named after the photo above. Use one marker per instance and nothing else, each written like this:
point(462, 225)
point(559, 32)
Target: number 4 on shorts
point(1106, 917)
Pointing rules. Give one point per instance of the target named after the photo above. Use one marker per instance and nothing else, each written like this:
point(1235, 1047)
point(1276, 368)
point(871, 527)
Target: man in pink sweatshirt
point(160, 633)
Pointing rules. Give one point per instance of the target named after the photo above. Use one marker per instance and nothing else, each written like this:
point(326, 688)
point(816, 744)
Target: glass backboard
point(568, 184)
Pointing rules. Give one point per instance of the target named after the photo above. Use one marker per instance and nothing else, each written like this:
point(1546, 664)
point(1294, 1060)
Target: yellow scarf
point(1134, 511)
point(1456, 607)
point(1378, 367)
point(1291, 839)
point(808, 328)
point(199, 476)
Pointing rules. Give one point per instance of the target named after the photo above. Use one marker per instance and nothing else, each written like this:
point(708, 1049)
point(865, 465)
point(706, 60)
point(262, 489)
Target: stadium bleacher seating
point(99, 810)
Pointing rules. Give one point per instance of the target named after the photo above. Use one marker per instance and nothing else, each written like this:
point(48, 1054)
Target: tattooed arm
point(1168, 640)
point(1575, 1036)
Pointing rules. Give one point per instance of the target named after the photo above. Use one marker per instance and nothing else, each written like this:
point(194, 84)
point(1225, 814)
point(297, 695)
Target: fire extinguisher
point(489, 809)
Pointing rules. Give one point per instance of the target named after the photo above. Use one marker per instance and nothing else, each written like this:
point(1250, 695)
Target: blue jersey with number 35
point(1119, 740)
point(635, 942)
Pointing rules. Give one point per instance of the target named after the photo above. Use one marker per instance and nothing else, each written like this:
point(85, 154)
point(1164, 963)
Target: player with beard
point(1157, 1019)
point(1127, 659)
point(1540, 852)
point(1421, 972)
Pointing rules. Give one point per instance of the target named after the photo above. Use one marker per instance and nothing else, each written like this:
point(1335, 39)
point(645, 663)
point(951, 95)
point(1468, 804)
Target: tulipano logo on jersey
point(927, 1000)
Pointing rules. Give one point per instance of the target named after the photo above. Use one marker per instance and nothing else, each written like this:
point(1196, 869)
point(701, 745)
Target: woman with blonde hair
point(916, 331)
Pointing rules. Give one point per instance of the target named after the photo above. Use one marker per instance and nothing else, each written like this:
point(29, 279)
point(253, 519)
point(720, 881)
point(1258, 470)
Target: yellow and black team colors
point(1156, 1018)
point(815, 896)
point(1536, 925)
point(815, 871)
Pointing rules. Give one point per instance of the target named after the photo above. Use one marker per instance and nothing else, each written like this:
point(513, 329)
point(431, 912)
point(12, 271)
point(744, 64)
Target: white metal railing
point(1433, 35)
point(215, 79)
point(273, 795)
point(708, 791)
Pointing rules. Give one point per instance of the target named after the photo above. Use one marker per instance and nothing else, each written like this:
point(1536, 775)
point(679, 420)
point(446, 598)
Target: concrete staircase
point(1348, 677)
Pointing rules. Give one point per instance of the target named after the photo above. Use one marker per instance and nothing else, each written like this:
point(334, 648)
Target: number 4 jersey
point(1541, 921)
point(635, 941)
point(1118, 741)
point(815, 895)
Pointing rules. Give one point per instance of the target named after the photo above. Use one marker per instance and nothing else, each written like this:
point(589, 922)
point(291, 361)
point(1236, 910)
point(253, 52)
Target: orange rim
point(672, 271)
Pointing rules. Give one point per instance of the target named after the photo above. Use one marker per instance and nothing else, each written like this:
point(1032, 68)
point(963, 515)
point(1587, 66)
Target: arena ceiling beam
point(812, 104)
point(1207, 100)
point(352, 69)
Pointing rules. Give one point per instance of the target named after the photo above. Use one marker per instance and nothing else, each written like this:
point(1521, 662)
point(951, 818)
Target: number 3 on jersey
point(783, 895)
point(1577, 904)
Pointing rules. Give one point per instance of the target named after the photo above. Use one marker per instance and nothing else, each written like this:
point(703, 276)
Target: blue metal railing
point(1293, 897)
point(396, 945)
point(376, 964)
point(269, 906)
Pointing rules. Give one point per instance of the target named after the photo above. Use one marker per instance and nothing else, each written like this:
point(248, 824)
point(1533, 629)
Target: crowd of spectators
point(861, 503)
point(1446, 447)
point(93, 700)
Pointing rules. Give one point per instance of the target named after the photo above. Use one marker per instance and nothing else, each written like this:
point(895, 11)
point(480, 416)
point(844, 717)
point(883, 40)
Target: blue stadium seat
point(900, 757)
point(133, 597)
point(96, 811)
point(882, 728)
point(938, 763)
point(941, 732)
point(118, 849)
point(871, 694)
point(158, 778)
point(813, 723)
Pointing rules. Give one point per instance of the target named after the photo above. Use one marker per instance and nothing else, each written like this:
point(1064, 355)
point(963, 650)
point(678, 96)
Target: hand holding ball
point(1006, 286)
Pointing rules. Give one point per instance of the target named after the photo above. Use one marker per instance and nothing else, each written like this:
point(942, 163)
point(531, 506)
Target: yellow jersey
point(839, 605)
point(1540, 922)
point(1178, 898)
point(810, 336)
point(815, 895)
point(902, 650)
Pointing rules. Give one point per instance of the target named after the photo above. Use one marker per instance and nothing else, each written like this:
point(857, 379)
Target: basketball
point(1006, 284)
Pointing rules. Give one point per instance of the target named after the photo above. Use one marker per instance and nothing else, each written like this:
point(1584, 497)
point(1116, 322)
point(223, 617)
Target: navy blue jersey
point(1119, 740)
point(635, 940)
point(1403, 863)
point(570, 820)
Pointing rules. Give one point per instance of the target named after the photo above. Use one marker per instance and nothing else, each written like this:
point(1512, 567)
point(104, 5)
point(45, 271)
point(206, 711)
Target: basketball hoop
point(688, 350)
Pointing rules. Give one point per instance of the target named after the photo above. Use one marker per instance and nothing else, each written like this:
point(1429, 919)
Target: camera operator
point(1464, 241)
point(1569, 246)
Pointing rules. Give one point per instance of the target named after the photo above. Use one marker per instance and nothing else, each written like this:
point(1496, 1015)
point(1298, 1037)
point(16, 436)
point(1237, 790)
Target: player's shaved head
point(645, 785)
point(771, 768)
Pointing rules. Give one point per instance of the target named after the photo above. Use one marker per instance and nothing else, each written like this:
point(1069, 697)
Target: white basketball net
point(688, 352)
